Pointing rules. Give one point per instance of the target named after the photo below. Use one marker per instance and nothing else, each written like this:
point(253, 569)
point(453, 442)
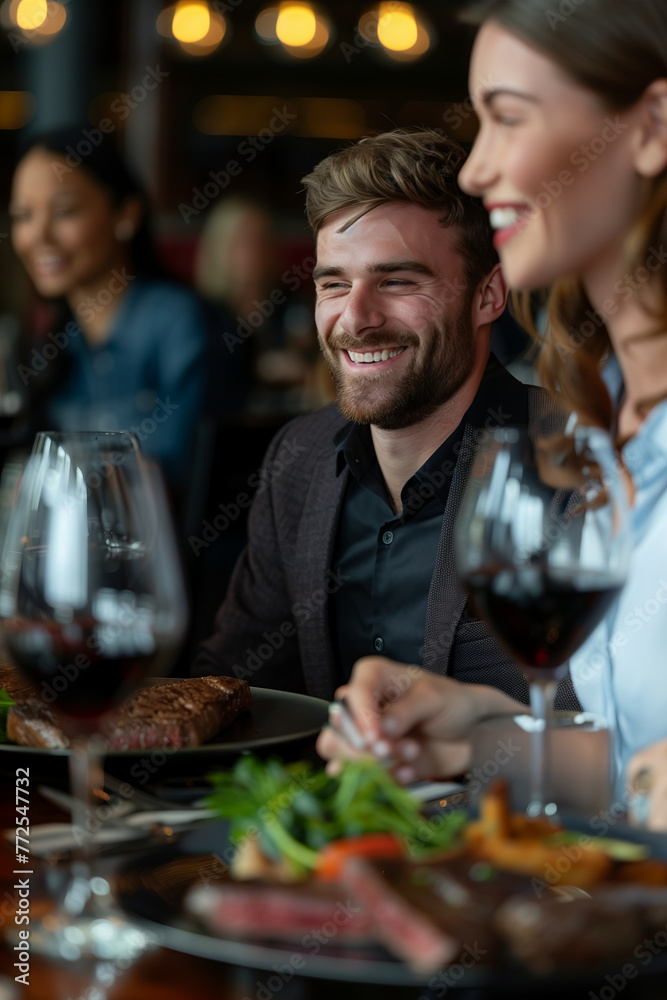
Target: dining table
point(166, 973)
point(160, 974)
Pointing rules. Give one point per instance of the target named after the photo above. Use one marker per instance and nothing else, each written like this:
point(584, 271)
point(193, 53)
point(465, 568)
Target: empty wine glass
point(542, 549)
point(91, 602)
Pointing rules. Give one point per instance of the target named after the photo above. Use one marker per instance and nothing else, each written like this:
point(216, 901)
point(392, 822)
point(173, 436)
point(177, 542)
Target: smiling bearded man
point(350, 547)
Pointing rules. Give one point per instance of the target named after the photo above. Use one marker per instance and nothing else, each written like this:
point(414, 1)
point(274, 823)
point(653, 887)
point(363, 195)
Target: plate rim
point(222, 748)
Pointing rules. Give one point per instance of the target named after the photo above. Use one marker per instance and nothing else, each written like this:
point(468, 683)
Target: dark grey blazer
point(273, 626)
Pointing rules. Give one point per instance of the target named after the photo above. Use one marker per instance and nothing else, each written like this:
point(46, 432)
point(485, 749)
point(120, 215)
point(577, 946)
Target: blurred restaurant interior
point(220, 108)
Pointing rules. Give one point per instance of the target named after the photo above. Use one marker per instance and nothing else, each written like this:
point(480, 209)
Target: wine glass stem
point(85, 771)
point(542, 692)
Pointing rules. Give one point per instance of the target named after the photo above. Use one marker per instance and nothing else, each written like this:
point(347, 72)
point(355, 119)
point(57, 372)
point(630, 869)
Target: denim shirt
point(620, 673)
point(149, 376)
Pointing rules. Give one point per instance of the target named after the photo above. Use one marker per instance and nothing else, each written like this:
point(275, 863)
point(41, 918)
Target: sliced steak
point(433, 913)
point(181, 713)
point(32, 724)
point(286, 912)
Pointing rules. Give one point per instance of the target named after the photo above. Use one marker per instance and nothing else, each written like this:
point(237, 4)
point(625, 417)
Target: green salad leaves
point(295, 810)
point(6, 702)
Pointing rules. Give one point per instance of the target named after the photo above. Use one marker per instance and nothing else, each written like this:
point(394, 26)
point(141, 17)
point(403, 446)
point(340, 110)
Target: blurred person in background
point(125, 347)
point(264, 332)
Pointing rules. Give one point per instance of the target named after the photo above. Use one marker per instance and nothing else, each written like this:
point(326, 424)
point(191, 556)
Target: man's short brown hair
point(418, 165)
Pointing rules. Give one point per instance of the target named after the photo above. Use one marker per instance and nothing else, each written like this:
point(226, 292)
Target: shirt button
point(388, 537)
point(379, 644)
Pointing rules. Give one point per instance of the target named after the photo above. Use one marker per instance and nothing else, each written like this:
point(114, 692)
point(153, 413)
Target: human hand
point(647, 775)
point(418, 720)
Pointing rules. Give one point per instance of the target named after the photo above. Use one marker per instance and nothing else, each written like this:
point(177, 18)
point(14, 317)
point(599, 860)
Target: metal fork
point(141, 798)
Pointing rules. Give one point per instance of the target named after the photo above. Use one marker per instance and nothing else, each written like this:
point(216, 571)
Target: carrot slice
point(368, 845)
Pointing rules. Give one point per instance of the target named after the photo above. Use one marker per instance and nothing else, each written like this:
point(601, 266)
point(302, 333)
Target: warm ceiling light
point(397, 26)
point(265, 24)
point(296, 24)
point(191, 22)
point(401, 29)
point(211, 39)
point(236, 114)
point(164, 21)
point(57, 15)
point(318, 42)
point(31, 14)
point(34, 30)
point(421, 46)
point(16, 108)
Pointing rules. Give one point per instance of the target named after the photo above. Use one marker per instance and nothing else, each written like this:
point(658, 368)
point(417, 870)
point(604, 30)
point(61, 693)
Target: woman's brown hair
point(616, 49)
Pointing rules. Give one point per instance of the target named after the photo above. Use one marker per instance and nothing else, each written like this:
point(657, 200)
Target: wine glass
point(542, 548)
point(91, 602)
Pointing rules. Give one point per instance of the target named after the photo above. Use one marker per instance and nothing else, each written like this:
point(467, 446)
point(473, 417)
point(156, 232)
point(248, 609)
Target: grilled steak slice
point(286, 912)
point(16, 686)
point(547, 934)
point(432, 913)
point(32, 724)
point(179, 713)
point(182, 713)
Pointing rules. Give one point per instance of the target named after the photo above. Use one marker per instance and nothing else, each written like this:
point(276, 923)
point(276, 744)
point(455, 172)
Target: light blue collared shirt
point(621, 671)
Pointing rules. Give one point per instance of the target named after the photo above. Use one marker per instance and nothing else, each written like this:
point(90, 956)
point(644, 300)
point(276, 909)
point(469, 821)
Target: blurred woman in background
point(125, 347)
point(265, 333)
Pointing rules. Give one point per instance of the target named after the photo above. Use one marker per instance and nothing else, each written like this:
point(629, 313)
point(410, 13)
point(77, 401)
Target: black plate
point(153, 889)
point(277, 719)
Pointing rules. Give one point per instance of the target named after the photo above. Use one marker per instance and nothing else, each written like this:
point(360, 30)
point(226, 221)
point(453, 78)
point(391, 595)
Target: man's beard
point(390, 401)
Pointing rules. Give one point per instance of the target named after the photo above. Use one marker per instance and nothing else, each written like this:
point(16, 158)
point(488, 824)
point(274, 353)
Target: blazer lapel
point(315, 581)
point(446, 597)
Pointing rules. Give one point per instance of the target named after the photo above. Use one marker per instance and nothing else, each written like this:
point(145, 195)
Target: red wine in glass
point(543, 563)
point(73, 670)
point(541, 619)
point(91, 602)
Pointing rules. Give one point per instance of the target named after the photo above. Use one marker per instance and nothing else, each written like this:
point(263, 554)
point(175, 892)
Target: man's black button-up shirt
point(387, 559)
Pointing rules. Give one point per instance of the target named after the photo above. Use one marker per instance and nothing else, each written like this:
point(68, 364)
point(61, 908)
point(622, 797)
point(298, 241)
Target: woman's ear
point(128, 218)
point(651, 146)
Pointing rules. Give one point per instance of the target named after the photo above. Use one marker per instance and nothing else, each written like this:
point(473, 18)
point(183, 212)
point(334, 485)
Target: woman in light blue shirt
point(571, 162)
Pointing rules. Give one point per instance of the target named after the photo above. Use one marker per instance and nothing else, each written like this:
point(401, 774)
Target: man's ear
point(650, 150)
point(490, 297)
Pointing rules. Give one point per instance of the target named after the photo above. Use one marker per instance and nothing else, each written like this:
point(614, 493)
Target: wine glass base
point(543, 810)
point(109, 939)
point(87, 925)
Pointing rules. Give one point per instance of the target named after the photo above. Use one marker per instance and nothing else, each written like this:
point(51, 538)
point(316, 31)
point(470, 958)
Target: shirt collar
point(354, 443)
